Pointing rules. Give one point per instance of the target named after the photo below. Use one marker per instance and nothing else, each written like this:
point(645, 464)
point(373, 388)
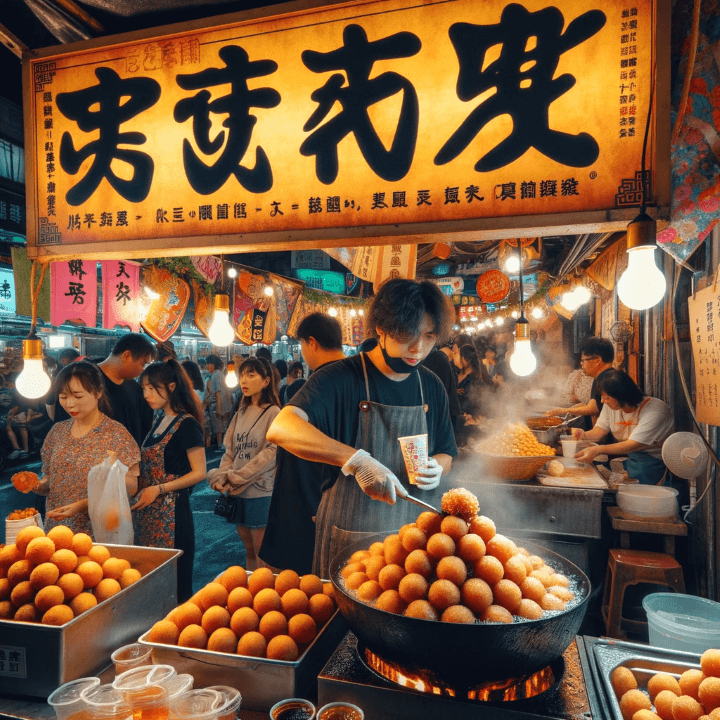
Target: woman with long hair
point(74, 446)
point(173, 460)
point(471, 381)
point(247, 469)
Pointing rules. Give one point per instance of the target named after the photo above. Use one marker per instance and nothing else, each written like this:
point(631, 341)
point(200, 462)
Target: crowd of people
point(308, 465)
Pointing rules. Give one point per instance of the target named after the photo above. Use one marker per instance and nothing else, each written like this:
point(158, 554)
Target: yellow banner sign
point(366, 114)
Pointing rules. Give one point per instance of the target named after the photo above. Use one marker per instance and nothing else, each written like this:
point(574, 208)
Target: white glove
point(428, 476)
point(374, 478)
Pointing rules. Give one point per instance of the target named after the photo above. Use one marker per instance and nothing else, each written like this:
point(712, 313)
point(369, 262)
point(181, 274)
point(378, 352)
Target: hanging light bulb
point(499, 321)
point(33, 381)
point(361, 312)
point(643, 284)
point(353, 313)
point(232, 272)
point(515, 314)
point(151, 293)
point(231, 379)
point(268, 290)
point(522, 361)
point(332, 312)
point(536, 313)
point(221, 332)
point(512, 265)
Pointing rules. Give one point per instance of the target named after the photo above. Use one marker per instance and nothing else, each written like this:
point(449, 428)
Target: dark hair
point(138, 345)
point(469, 354)
point(281, 366)
point(166, 350)
point(162, 374)
point(599, 347)
point(90, 376)
point(264, 353)
point(325, 329)
point(621, 387)
point(462, 339)
point(297, 365)
point(68, 354)
point(214, 360)
point(193, 372)
point(400, 305)
point(269, 395)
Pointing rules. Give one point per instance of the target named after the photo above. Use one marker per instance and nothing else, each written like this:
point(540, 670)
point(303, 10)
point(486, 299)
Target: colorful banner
point(350, 314)
point(259, 317)
point(208, 266)
point(166, 311)
point(204, 308)
point(384, 262)
point(121, 294)
point(74, 292)
point(380, 114)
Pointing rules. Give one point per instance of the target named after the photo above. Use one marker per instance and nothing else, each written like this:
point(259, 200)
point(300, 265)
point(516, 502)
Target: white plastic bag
point(108, 504)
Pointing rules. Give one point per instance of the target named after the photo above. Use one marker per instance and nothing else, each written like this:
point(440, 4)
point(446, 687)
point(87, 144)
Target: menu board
point(704, 311)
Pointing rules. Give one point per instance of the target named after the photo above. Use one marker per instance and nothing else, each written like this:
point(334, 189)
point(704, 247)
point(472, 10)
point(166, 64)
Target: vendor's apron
point(346, 514)
point(647, 469)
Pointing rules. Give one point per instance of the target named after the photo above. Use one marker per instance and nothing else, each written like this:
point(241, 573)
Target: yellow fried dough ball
point(708, 692)
point(687, 708)
point(710, 663)
point(632, 701)
point(662, 681)
point(690, 682)
point(622, 680)
point(128, 577)
point(663, 704)
point(58, 615)
point(62, 536)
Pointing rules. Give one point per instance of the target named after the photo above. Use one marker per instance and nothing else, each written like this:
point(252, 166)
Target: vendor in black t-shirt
point(351, 413)
point(596, 359)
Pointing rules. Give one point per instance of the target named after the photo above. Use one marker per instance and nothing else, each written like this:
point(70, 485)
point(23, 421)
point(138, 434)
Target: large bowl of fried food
point(513, 453)
point(451, 598)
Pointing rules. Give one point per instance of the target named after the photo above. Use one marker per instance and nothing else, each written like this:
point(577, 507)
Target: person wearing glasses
point(596, 360)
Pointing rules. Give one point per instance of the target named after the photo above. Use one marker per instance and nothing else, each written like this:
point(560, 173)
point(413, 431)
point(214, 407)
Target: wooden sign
point(362, 119)
point(704, 312)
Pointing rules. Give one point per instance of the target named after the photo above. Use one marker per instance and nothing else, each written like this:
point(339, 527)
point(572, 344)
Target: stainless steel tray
point(644, 661)
point(262, 682)
point(45, 657)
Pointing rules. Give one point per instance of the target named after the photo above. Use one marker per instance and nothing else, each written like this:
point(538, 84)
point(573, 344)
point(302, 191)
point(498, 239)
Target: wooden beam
point(79, 14)
point(12, 43)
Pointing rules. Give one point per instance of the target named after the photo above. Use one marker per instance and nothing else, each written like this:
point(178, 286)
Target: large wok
point(463, 655)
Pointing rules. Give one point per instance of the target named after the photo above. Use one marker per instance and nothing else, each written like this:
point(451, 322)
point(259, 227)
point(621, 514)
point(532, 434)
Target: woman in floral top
point(74, 446)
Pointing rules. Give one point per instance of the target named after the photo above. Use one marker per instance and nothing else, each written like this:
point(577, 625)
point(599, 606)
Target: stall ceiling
point(37, 24)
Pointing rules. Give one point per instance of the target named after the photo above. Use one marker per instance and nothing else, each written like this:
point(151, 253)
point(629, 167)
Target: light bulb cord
point(35, 293)
point(643, 207)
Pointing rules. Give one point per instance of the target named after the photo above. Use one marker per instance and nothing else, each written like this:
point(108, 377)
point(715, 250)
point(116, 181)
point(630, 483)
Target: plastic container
point(296, 706)
point(67, 700)
point(131, 656)
point(648, 500)
point(340, 711)
point(199, 704)
point(231, 699)
point(683, 622)
point(104, 702)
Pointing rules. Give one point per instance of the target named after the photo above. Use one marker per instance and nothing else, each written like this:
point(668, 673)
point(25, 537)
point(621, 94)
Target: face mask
point(398, 365)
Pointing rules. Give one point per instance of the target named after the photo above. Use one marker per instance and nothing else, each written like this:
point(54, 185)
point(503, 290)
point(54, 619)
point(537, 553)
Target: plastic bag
point(108, 504)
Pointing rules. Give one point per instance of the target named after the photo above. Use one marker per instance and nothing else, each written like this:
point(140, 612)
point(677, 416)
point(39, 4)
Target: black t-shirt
point(188, 435)
point(331, 398)
point(288, 392)
point(595, 389)
point(129, 407)
point(438, 362)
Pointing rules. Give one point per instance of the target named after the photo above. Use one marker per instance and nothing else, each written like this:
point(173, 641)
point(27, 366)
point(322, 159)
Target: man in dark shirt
point(289, 540)
point(438, 362)
point(596, 359)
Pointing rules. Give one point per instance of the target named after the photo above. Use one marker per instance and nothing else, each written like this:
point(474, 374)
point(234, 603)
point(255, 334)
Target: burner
point(518, 688)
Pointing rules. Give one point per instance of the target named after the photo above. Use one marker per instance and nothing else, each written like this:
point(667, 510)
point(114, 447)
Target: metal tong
point(421, 503)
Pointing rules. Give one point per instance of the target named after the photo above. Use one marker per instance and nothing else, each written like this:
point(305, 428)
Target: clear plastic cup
point(67, 700)
point(200, 704)
point(415, 454)
point(569, 448)
point(231, 701)
point(131, 656)
point(148, 702)
point(104, 702)
point(144, 675)
point(178, 686)
point(340, 711)
point(293, 709)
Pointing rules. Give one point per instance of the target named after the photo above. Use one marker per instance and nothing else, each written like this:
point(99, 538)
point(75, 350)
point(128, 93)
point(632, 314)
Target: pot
point(550, 435)
point(463, 655)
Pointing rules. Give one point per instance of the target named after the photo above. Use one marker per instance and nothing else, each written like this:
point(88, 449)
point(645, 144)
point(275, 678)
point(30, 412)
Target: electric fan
point(685, 455)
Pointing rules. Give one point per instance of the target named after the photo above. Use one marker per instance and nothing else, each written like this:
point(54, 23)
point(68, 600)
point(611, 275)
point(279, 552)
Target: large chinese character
point(138, 94)
point(206, 179)
point(525, 85)
point(356, 58)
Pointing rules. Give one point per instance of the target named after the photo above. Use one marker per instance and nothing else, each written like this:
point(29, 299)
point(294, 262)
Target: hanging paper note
point(121, 294)
point(74, 292)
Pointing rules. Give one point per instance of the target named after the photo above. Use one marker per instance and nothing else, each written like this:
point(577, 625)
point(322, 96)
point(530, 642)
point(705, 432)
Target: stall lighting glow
point(353, 313)
point(575, 298)
point(456, 327)
point(537, 313)
point(231, 379)
point(221, 333)
point(33, 381)
point(512, 265)
point(515, 314)
point(268, 291)
point(642, 285)
point(332, 312)
point(522, 360)
point(151, 293)
point(232, 272)
point(56, 341)
point(499, 321)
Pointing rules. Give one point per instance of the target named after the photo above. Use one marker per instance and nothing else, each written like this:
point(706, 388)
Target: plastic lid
point(69, 693)
point(144, 675)
point(103, 697)
point(649, 491)
point(179, 684)
point(197, 705)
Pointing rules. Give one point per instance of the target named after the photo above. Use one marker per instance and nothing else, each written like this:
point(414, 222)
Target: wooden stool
point(669, 528)
point(630, 567)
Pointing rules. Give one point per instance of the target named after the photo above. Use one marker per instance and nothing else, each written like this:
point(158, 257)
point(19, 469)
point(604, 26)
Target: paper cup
point(414, 450)
point(569, 448)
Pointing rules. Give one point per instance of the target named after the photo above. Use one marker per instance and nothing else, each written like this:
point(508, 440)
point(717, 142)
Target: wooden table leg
point(669, 543)
point(625, 540)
